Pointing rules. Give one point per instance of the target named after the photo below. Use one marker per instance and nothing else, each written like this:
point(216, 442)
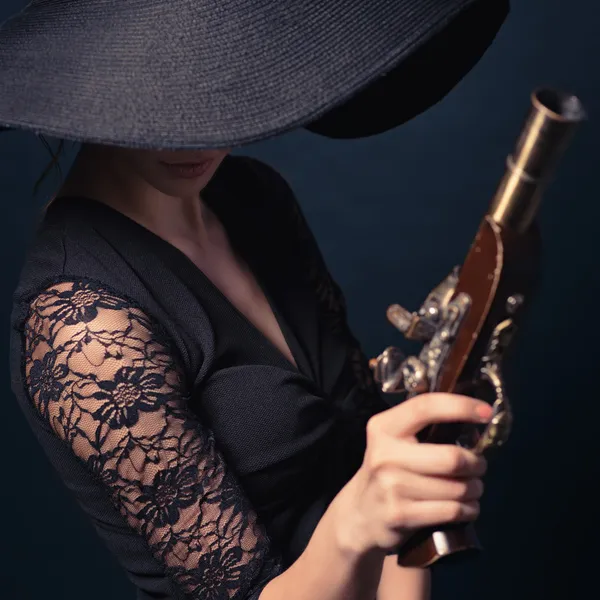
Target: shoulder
point(111, 300)
point(282, 209)
point(269, 189)
point(63, 243)
point(83, 261)
point(262, 173)
point(44, 259)
point(48, 257)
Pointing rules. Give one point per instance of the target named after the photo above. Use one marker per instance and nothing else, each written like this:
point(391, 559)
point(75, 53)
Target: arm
point(399, 583)
point(325, 571)
point(100, 375)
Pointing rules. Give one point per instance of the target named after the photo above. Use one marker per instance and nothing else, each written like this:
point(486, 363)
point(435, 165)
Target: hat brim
point(419, 82)
point(72, 70)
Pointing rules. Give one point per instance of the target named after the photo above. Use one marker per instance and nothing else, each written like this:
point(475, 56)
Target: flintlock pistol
point(468, 321)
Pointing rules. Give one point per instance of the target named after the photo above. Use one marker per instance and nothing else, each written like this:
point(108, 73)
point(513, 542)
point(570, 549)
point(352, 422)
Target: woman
point(179, 347)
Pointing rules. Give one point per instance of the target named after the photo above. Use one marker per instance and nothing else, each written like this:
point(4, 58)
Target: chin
point(182, 189)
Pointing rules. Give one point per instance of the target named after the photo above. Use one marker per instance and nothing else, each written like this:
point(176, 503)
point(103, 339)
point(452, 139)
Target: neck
point(99, 175)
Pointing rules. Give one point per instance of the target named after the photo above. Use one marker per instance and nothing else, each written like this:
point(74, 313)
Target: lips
point(187, 170)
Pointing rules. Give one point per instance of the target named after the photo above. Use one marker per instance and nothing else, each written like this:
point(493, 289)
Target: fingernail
point(485, 412)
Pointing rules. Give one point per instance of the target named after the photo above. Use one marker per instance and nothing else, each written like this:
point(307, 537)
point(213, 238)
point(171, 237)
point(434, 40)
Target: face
point(179, 173)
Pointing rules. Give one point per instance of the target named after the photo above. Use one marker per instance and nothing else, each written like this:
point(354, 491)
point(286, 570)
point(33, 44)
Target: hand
point(404, 485)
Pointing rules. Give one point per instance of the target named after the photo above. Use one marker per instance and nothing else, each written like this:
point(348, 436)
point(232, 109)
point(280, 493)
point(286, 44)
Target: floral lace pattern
point(97, 372)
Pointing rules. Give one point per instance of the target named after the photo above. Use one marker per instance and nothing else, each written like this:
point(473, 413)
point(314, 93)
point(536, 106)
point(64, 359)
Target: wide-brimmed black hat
point(217, 73)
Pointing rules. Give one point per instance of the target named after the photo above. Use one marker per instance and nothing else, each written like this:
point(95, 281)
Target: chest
point(240, 288)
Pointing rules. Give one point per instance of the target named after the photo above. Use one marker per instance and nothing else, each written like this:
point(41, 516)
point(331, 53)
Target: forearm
point(328, 570)
point(400, 583)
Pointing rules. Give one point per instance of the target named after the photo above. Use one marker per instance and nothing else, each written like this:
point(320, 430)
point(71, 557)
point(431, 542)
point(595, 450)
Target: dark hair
point(54, 163)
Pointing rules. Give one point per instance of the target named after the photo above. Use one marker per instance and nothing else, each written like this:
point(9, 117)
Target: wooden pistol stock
point(468, 321)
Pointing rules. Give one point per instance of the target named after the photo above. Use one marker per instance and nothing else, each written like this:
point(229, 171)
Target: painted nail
point(485, 412)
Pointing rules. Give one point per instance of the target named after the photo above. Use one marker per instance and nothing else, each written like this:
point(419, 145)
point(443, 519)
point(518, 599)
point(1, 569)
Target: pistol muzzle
point(547, 132)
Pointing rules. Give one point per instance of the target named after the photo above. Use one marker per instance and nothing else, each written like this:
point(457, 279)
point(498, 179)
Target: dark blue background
point(393, 214)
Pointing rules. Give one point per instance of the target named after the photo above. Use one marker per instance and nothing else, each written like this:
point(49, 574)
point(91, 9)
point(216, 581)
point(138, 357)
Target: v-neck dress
point(203, 457)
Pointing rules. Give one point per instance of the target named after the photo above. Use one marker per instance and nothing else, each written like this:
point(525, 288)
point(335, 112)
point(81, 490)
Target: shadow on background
point(393, 214)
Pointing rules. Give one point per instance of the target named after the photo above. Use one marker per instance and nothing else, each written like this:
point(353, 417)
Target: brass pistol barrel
point(547, 131)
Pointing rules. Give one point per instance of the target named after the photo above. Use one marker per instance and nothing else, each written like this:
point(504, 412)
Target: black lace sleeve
point(98, 373)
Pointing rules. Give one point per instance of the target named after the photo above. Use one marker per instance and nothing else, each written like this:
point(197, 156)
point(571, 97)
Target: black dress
point(203, 457)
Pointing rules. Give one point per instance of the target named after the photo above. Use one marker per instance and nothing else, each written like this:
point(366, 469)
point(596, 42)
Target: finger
point(413, 415)
point(415, 515)
point(443, 460)
point(424, 459)
point(402, 485)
